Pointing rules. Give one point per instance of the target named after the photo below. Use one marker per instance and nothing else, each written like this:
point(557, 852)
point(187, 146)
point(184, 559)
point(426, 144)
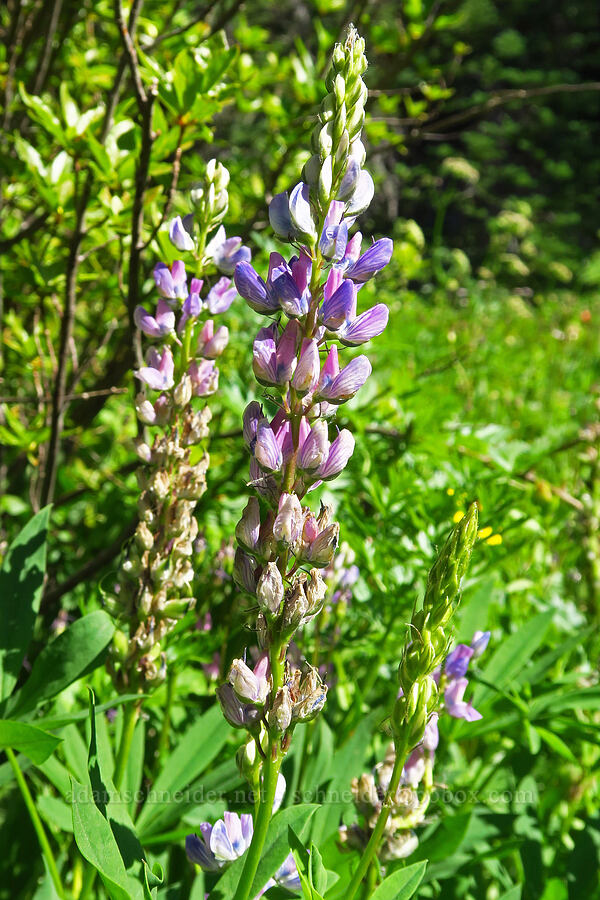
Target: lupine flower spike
point(154, 587)
point(311, 300)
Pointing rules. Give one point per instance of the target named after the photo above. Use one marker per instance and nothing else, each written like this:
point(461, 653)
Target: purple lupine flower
point(279, 216)
point(253, 414)
point(372, 261)
point(368, 325)
point(352, 252)
point(431, 737)
point(158, 374)
point(171, 282)
point(308, 368)
point(267, 450)
point(226, 252)
point(212, 343)
point(479, 643)
point(251, 685)
point(284, 288)
point(301, 213)
point(155, 326)
point(457, 662)
point(414, 767)
point(252, 288)
point(238, 714)
point(456, 705)
point(221, 296)
point(340, 452)
point(225, 841)
point(204, 376)
point(345, 385)
point(340, 306)
point(192, 305)
point(334, 236)
point(287, 874)
point(314, 448)
point(274, 355)
point(179, 236)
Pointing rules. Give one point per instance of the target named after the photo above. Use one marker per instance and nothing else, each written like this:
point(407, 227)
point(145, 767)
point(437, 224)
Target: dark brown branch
point(29, 226)
point(70, 398)
point(44, 65)
point(508, 96)
point(68, 314)
point(172, 188)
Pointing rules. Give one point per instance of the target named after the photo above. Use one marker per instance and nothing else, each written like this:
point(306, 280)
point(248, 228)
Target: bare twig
point(29, 226)
point(44, 65)
point(70, 398)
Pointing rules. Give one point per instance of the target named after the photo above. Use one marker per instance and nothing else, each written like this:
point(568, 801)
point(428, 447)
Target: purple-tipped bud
point(269, 591)
point(333, 241)
point(253, 289)
point(362, 196)
point(372, 261)
point(301, 214)
point(340, 306)
point(178, 235)
point(247, 529)
point(287, 526)
point(366, 326)
point(159, 326)
point(267, 451)
point(349, 182)
point(252, 416)
point(211, 343)
point(339, 453)
point(479, 643)
point(221, 296)
point(347, 383)
point(314, 449)
point(321, 550)
point(250, 686)
point(243, 572)
point(158, 375)
point(199, 853)
point(414, 767)
point(308, 368)
point(279, 216)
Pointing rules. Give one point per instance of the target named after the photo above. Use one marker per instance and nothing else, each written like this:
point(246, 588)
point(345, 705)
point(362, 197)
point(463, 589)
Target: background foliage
point(482, 134)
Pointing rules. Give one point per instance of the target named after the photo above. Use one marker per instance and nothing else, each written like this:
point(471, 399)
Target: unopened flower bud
point(144, 537)
point(243, 572)
point(295, 608)
point(280, 714)
point(269, 591)
point(316, 589)
point(183, 392)
point(248, 528)
point(287, 526)
point(321, 550)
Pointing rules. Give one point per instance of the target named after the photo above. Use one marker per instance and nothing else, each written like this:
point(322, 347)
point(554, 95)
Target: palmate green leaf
point(401, 885)
point(21, 583)
point(274, 853)
point(194, 752)
point(27, 739)
point(512, 656)
point(74, 653)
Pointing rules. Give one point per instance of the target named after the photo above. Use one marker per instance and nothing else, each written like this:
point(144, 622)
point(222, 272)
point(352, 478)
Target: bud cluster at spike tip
point(153, 589)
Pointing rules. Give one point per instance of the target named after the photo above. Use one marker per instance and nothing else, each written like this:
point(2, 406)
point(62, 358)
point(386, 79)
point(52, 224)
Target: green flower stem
point(271, 767)
point(129, 722)
point(373, 845)
point(163, 742)
point(37, 823)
